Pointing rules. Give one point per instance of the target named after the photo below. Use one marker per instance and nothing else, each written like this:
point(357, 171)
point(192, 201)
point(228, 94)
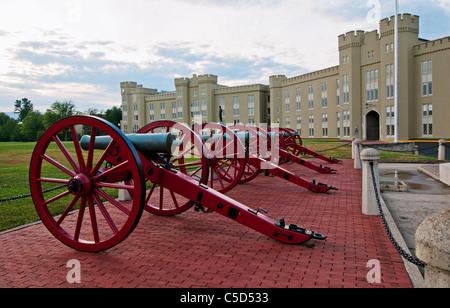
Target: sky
point(80, 50)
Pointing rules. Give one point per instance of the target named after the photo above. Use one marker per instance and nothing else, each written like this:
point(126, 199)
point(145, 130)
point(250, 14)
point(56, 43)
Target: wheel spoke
point(58, 165)
point(66, 153)
point(161, 197)
point(93, 220)
point(102, 159)
point(109, 171)
point(150, 193)
point(175, 202)
point(91, 150)
point(112, 185)
point(56, 198)
point(218, 177)
point(58, 181)
point(80, 219)
point(76, 144)
point(112, 201)
point(105, 214)
point(181, 154)
point(67, 211)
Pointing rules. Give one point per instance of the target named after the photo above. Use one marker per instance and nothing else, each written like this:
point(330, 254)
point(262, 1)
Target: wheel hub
point(80, 185)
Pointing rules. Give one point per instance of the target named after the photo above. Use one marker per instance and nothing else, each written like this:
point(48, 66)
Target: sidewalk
point(195, 250)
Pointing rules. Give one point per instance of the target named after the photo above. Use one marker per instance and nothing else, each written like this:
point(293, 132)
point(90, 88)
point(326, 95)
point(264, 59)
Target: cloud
point(54, 49)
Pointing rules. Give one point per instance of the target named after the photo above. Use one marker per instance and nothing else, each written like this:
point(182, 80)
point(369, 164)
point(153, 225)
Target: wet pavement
point(425, 196)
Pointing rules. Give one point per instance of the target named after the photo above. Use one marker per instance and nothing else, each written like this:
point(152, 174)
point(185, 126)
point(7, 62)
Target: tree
point(3, 118)
point(23, 107)
point(32, 125)
point(58, 111)
point(113, 115)
point(10, 131)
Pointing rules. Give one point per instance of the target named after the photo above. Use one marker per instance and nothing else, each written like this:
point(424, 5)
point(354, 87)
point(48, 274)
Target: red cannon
point(87, 215)
point(226, 149)
point(261, 156)
point(292, 143)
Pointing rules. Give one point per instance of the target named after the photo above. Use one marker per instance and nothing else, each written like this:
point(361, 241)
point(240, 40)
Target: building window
point(195, 110)
point(338, 92)
point(179, 93)
point(427, 120)
point(299, 125)
point(251, 122)
point(346, 123)
point(174, 110)
point(288, 122)
point(372, 86)
point(324, 125)
point(389, 48)
point(390, 121)
point(204, 108)
point(427, 78)
point(124, 99)
point(195, 92)
point(310, 97)
point(235, 106)
point(298, 99)
point(124, 113)
point(338, 121)
point(152, 112)
point(135, 129)
point(163, 111)
point(203, 91)
point(390, 81)
point(324, 95)
point(251, 105)
point(180, 109)
point(125, 129)
point(311, 125)
point(287, 102)
point(346, 89)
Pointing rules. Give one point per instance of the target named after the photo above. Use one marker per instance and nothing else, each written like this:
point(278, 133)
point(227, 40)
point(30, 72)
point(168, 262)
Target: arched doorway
point(373, 125)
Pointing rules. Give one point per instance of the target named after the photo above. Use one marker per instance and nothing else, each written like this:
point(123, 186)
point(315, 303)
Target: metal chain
point(29, 195)
point(403, 253)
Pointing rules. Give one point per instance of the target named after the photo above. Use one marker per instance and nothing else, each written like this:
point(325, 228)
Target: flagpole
point(396, 72)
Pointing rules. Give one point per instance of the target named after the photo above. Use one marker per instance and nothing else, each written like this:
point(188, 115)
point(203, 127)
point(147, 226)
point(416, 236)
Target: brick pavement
point(208, 250)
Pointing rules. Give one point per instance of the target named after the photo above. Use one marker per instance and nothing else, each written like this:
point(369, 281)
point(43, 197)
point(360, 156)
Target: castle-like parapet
point(432, 46)
point(351, 39)
point(406, 23)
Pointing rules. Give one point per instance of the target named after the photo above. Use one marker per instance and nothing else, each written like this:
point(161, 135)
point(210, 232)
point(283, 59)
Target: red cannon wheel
point(187, 157)
point(254, 147)
point(296, 136)
point(226, 156)
point(75, 190)
point(289, 141)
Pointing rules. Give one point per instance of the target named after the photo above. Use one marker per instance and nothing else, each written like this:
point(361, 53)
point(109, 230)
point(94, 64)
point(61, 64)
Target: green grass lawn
point(14, 168)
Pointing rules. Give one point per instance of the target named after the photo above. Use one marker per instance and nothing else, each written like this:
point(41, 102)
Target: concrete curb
point(414, 273)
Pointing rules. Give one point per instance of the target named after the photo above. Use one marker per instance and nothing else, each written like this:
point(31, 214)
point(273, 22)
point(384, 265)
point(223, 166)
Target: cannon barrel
point(149, 143)
point(243, 137)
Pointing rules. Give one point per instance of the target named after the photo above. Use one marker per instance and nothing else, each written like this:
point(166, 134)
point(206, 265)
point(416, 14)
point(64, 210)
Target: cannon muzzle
point(148, 143)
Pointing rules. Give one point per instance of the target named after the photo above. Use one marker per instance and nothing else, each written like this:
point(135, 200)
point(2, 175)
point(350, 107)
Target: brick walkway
point(208, 250)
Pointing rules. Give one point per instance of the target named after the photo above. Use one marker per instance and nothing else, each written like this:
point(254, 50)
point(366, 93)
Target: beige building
point(352, 99)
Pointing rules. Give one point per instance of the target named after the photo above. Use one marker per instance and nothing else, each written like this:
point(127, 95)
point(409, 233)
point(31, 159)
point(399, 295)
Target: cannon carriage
point(88, 215)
